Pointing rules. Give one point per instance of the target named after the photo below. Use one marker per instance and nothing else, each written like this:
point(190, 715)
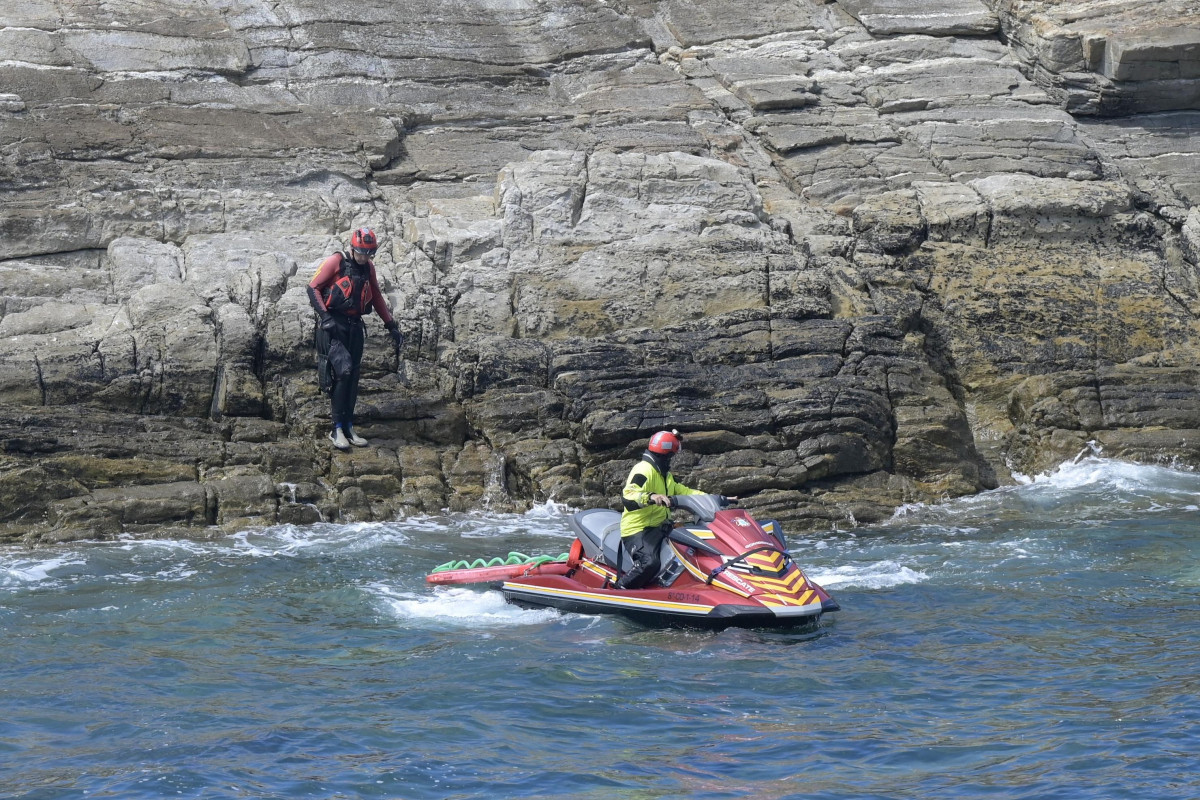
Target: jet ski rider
point(646, 518)
point(345, 289)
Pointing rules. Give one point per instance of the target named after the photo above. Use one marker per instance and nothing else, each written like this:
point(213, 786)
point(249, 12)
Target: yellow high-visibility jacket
point(644, 480)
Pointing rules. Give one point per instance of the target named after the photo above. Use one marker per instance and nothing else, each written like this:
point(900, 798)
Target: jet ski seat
point(614, 553)
point(599, 529)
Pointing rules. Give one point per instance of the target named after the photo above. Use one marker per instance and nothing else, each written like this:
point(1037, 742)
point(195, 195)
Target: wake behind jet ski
point(722, 569)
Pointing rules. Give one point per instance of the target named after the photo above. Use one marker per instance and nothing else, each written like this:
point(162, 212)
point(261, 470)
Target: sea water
point(1037, 641)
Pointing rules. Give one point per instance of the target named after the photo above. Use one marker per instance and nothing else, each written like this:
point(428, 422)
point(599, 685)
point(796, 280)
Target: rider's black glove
point(394, 331)
point(327, 322)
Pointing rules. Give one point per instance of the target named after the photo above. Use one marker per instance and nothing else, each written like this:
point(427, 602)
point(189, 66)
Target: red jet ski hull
point(686, 603)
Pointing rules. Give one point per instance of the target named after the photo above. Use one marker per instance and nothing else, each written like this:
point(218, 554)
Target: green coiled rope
point(513, 559)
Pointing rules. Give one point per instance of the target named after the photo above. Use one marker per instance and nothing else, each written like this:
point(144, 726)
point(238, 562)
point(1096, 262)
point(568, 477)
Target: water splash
point(294, 540)
point(548, 519)
point(27, 571)
point(880, 575)
point(1088, 486)
point(550, 510)
point(458, 607)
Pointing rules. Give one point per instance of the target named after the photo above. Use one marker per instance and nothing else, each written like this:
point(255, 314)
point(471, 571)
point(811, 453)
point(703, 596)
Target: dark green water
point(1034, 642)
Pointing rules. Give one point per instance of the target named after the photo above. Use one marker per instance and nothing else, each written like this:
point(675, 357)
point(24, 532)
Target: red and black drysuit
point(344, 291)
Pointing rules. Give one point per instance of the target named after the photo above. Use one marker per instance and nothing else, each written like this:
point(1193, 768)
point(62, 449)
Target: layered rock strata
point(862, 253)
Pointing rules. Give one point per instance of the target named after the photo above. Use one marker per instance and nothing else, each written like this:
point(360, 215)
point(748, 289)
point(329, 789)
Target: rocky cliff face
point(861, 253)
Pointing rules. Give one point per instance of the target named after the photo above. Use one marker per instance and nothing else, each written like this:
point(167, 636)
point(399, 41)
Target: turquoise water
point(1038, 641)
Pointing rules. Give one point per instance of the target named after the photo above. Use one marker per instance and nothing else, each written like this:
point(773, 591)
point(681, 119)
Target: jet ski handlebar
point(704, 506)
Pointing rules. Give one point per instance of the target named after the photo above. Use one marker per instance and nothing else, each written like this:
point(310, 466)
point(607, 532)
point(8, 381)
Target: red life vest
point(350, 293)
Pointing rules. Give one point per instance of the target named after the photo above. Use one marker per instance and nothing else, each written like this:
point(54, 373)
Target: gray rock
point(1111, 59)
point(939, 18)
point(1155, 154)
point(1191, 236)
point(862, 252)
point(1025, 207)
point(695, 22)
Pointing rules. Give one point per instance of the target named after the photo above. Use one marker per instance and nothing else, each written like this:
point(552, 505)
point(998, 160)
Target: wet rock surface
point(861, 253)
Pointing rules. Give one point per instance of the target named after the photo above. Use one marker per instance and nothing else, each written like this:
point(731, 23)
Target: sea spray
point(455, 606)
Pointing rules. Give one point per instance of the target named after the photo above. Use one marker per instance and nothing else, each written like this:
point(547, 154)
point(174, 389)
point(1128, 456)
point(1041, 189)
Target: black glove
point(327, 322)
point(394, 331)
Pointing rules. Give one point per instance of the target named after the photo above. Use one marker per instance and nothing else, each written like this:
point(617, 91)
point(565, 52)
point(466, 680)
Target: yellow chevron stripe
point(808, 598)
point(789, 584)
point(773, 561)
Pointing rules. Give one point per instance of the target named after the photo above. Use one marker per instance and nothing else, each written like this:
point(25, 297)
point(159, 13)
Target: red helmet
point(666, 443)
point(364, 240)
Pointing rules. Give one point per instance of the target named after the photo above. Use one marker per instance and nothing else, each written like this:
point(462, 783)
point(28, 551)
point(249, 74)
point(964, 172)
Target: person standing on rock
point(342, 292)
point(646, 518)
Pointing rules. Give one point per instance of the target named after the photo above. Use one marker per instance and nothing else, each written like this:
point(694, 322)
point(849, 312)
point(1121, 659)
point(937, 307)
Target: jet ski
point(720, 570)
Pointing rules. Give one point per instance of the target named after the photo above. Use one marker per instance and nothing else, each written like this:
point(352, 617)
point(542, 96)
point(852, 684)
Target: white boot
point(339, 439)
point(355, 439)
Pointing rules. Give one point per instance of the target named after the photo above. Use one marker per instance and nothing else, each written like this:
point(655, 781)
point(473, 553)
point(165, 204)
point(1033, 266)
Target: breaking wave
point(1078, 489)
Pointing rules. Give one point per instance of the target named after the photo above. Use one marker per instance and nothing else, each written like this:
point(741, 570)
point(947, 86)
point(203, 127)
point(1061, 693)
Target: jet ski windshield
point(704, 506)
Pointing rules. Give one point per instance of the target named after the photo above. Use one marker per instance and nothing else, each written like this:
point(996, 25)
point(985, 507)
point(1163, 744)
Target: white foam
point(292, 540)
point(179, 560)
point(31, 571)
point(881, 575)
point(1084, 482)
point(1085, 471)
point(271, 543)
point(424, 524)
point(551, 510)
point(1020, 549)
point(548, 519)
point(458, 607)
point(185, 546)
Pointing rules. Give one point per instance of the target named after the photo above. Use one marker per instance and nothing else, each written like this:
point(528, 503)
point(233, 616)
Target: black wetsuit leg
point(643, 550)
point(321, 339)
point(344, 394)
